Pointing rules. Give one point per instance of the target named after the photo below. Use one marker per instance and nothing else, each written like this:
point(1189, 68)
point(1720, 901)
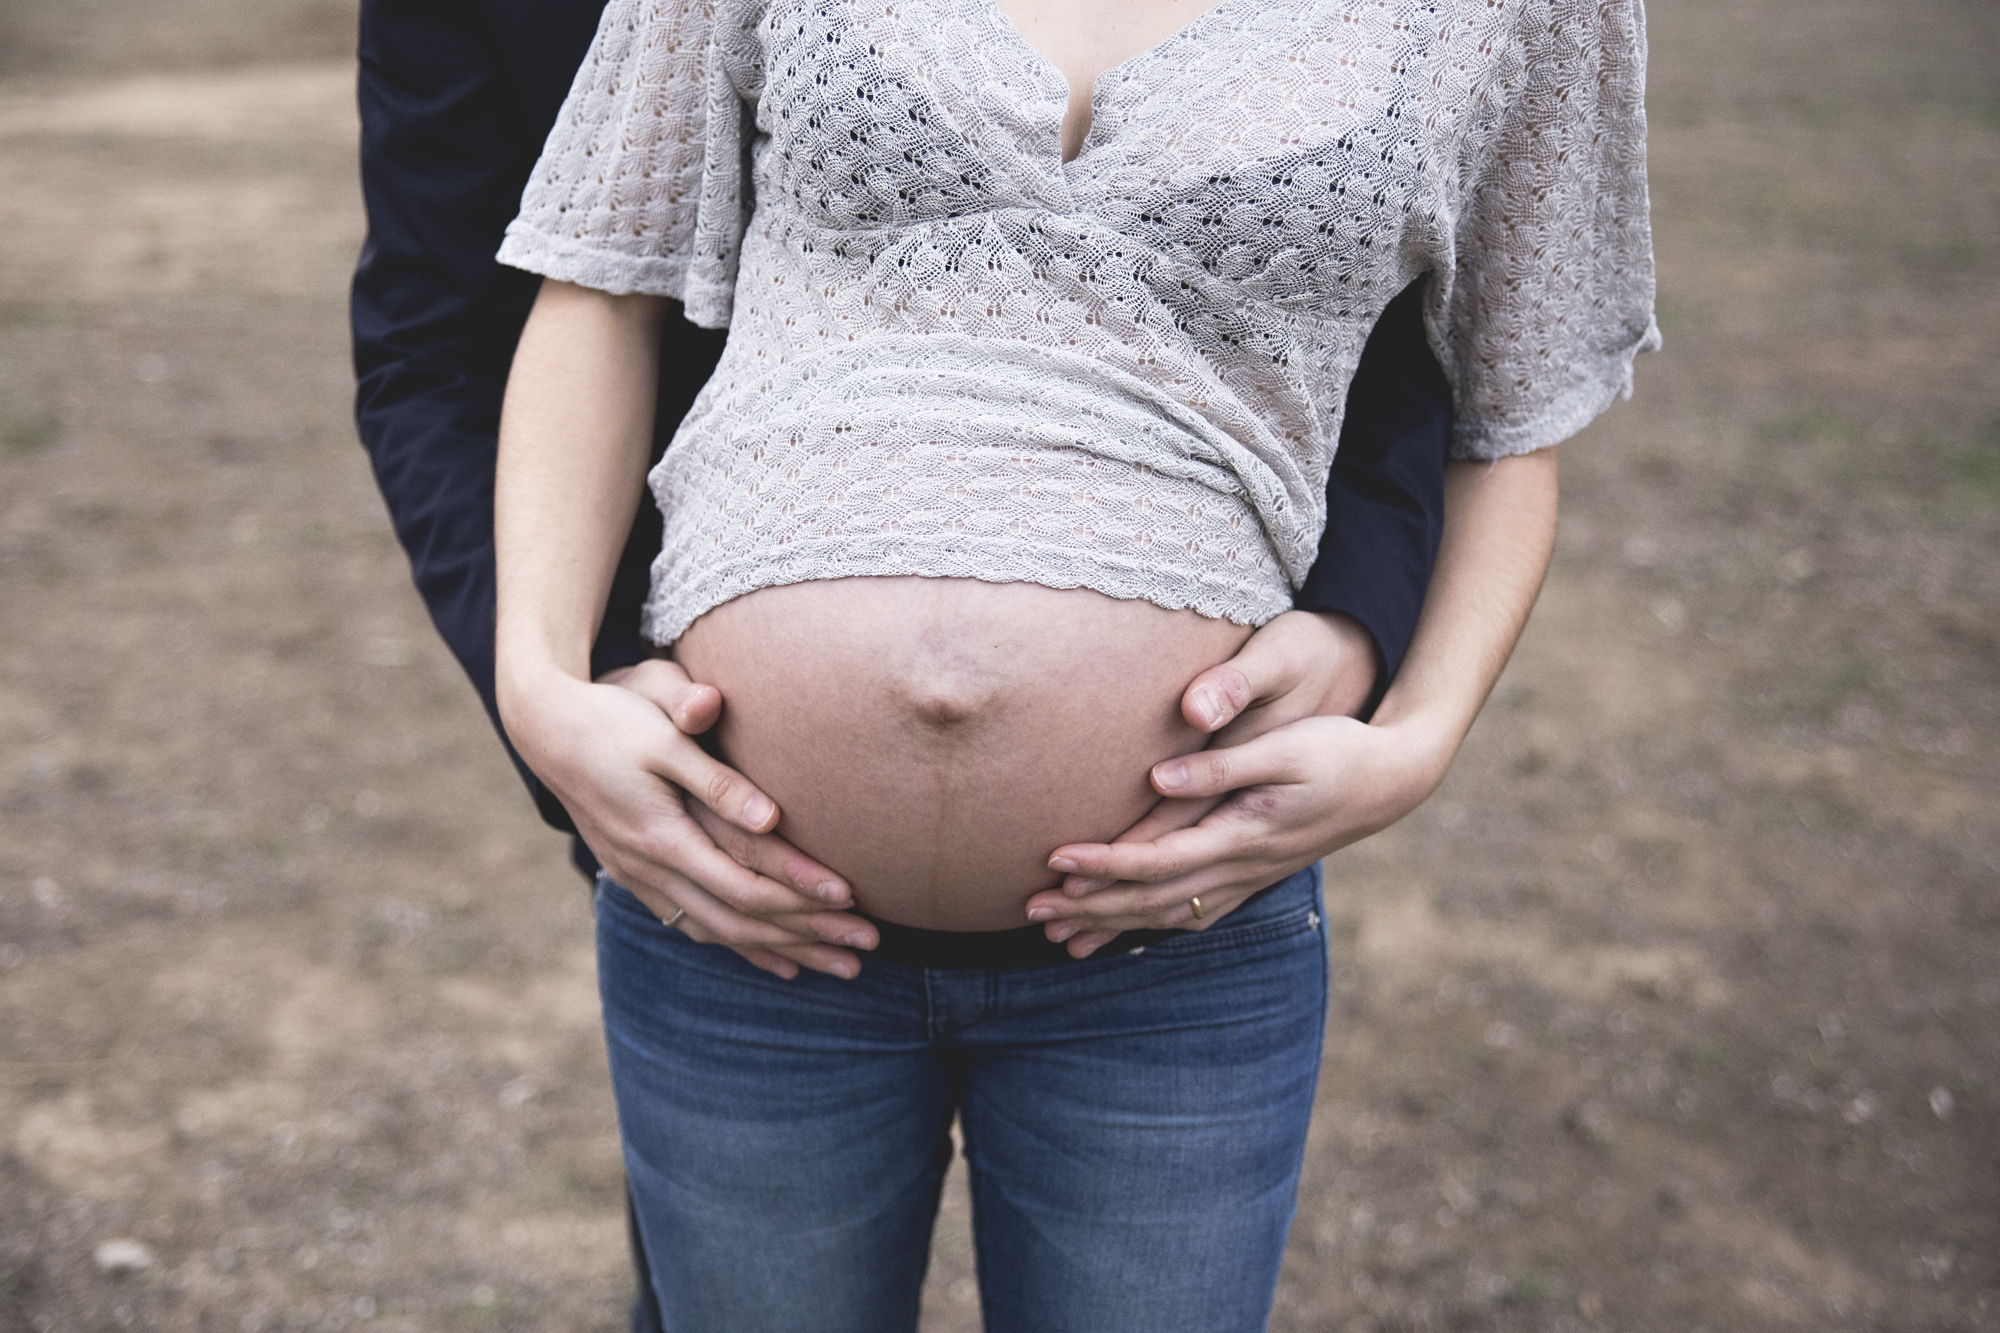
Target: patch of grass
point(32, 437)
point(1706, 1058)
point(1945, 256)
point(1815, 425)
point(22, 314)
point(1526, 1289)
point(1975, 464)
point(1961, 474)
point(1803, 451)
point(1851, 674)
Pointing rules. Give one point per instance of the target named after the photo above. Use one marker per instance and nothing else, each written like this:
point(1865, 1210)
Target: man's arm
point(444, 154)
point(456, 99)
point(1385, 492)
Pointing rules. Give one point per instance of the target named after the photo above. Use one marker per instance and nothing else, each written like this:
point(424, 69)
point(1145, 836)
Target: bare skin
point(689, 835)
point(1276, 792)
point(573, 449)
point(1083, 41)
point(934, 738)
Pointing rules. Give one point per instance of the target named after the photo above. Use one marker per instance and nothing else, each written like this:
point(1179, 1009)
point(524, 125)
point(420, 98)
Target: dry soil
point(1678, 1008)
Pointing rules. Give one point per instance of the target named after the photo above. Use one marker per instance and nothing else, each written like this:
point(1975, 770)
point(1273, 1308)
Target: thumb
point(1271, 758)
point(692, 708)
point(1263, 668)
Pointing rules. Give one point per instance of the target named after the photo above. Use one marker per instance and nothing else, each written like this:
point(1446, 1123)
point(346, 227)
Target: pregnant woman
point(1040, 321)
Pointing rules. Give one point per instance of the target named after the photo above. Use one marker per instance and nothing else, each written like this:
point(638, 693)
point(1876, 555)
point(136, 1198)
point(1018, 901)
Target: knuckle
point(666, 847)
point(716, 786)
point(731, 839)
point(1260, 804)
point(1210, 768)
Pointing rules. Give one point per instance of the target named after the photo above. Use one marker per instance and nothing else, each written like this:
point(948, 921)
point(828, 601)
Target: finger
point(1212, 841)
point(1168, 907)
point(1215, 697)
point(771, 856)
point(1089, 942)
point(1168, 816)
point(693, 708)
point(716, 785)
point(1272, 758)
point(741, 932)
point(1127, 906)
point(683, 870)
point(782, 968)
point(785, 962)
point(1165, 817)
point(820, 958)
point(1267, 665)
point(677, 847)
point(1124, 901)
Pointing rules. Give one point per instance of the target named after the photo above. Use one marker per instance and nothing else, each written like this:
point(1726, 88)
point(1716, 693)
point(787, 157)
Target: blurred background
point(1678, 1008)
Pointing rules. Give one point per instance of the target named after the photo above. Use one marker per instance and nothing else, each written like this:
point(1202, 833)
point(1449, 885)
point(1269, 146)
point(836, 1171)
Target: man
point(456, 99)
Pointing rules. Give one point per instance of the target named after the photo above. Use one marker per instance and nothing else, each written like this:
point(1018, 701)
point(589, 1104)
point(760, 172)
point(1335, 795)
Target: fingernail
point(758, 810)
point(832, 890)
point(1062, 865)
point(1086, 953)
point(1077, 888)
point(1207, 707)
point(857, 940)
point(1172, 775)
point(1062, 933)
point(1040, 914)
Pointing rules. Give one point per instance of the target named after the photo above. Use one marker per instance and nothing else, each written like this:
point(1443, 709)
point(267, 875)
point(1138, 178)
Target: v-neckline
point(1049, 70)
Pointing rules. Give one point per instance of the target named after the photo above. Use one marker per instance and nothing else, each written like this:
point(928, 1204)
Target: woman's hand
point(1251, 809)
point(575, 438)
point(1306, 784)
point(685, 833)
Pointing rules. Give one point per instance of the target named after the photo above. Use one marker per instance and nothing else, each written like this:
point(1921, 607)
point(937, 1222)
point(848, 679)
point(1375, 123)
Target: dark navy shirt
point(456, 99)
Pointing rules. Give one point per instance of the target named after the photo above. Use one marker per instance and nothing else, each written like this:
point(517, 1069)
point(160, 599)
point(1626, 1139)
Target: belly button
point(945, 701)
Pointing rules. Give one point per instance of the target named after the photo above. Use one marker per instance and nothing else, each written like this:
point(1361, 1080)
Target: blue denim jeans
point(1133, 1126)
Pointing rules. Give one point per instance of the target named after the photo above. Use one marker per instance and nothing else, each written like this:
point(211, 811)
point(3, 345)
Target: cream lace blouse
point(950, 353)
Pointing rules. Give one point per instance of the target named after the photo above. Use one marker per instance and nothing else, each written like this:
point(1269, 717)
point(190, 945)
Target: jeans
point(1133, 1126)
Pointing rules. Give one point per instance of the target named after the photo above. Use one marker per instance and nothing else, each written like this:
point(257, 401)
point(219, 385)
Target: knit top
point(951, 353)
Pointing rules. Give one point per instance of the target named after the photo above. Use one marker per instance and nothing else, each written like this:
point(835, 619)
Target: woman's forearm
point(1499, 530)
point(575, 437)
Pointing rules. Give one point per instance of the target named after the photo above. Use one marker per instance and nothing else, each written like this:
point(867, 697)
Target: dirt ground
point(1677, 1009)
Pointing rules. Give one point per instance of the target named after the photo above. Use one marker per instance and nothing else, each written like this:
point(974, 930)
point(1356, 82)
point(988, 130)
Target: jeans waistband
point(994, 950)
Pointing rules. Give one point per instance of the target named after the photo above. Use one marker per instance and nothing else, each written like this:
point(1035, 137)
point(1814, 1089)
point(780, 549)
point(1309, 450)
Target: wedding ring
point(669, 922)
point(1195, 903)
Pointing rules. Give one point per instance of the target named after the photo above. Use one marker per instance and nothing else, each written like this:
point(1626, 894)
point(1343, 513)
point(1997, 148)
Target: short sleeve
point(1549, 289)
point(643, 185)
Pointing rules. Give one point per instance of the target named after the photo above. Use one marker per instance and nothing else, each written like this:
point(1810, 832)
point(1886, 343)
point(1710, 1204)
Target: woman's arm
point(575, 438)
point(1300, 789)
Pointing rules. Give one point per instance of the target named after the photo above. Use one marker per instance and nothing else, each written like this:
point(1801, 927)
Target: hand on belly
point(933, 740)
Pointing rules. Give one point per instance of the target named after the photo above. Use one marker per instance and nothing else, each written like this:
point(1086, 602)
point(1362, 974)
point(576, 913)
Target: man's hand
point(1301, 666)
point(685, 833)
point(1288, 782)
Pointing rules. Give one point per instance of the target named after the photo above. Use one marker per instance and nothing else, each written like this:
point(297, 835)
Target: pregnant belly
point(933, 740)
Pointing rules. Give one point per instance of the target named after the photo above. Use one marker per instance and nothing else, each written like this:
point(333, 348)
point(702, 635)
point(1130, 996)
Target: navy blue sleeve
point(456, 97)
point(1385, 494)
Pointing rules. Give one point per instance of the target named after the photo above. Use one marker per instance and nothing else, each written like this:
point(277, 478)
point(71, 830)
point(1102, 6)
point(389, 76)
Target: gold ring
point(1195, 903)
